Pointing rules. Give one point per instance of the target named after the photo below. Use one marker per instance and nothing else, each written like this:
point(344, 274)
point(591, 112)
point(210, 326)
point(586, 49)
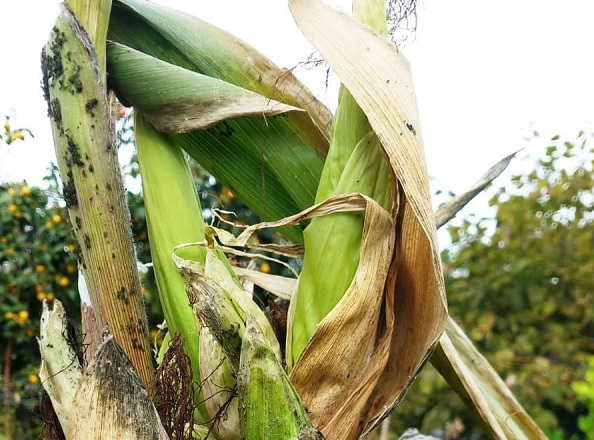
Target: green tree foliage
point(585, 392)
point(37, 263)
point(521, 285)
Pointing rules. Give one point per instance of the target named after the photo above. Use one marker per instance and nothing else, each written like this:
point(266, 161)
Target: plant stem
point(82, 123)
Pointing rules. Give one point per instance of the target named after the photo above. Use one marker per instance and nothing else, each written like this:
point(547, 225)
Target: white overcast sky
point(486, 74)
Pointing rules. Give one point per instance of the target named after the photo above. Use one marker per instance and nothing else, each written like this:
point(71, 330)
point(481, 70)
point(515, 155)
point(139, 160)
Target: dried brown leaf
point(414, 311)
point(446, 212)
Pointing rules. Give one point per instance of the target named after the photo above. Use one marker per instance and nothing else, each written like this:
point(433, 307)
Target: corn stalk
point(73, 64)
point(369, 307)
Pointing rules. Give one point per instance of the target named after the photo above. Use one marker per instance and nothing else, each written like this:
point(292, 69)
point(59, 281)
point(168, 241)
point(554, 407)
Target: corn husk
point(269, 405)
point(218, 387)
point(61, 371)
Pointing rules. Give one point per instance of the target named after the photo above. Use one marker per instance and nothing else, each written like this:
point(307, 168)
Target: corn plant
point(368, 308)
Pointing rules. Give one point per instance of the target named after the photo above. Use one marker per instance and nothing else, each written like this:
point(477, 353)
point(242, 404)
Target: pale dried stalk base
point(111, 402)
point(60, 371)
point(108, 401)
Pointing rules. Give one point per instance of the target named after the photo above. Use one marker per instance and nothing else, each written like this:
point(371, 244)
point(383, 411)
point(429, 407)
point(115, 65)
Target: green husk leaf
point(333, 243)
point(174, 216)
point(269, 406)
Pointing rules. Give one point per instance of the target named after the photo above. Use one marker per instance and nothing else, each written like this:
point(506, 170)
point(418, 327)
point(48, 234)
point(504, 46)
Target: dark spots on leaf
point(113, 256)
point(121, 295)
point(224, 129)
point(136, 345)
point(411, 128)
point(87, 241)
point(55, 112)
point(69, 191)
point(74, 81)
point(78, 222)
point(73, 156)
point(51, 65)
point(45, 77)
point(91, 168)
point(91, 105)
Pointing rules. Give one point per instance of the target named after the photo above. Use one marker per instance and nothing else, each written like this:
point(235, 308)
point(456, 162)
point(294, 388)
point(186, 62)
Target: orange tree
point(37, 263)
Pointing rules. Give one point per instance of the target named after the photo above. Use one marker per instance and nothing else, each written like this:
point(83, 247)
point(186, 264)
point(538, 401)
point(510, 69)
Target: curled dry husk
point(413, 307)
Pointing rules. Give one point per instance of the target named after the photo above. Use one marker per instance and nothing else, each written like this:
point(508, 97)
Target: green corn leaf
point(272, 163)
point(189, 42)
point(174, 216)
point(178, 100)
point(79, 110)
